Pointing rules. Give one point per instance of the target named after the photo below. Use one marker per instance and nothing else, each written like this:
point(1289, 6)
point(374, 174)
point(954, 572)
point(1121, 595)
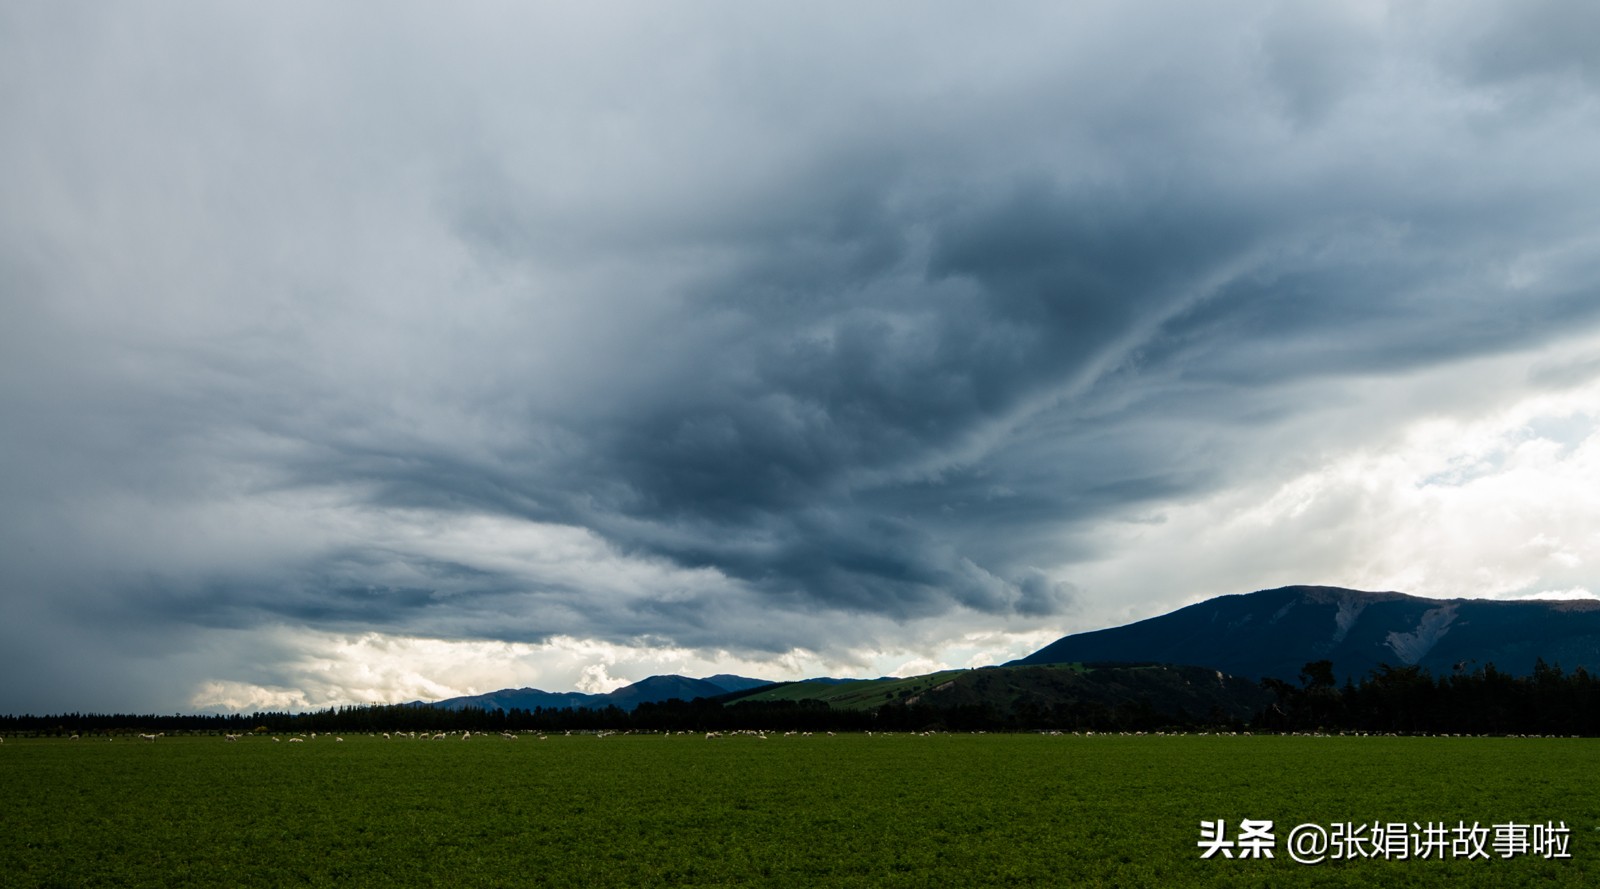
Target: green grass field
point(647, 810)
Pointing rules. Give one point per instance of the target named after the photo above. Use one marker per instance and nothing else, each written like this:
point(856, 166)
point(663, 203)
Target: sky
point(355, 355)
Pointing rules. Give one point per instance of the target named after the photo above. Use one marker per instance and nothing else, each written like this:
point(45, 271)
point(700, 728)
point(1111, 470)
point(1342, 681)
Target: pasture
point(851, 810)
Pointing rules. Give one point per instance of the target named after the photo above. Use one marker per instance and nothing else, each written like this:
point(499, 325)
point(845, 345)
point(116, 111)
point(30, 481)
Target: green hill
point(1059, 690)
point(857, 694)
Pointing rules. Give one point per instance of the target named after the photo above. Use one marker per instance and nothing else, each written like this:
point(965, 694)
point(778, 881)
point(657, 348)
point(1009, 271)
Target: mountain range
point(651, 690)
point(1237, 639)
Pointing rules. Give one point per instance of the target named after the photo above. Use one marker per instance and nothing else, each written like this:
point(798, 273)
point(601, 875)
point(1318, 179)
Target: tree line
point(1404, 699)
point(699, 715)
point(1408, 699)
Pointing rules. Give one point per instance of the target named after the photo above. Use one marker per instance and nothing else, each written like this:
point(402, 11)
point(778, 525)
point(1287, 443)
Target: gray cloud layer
point(823, 313)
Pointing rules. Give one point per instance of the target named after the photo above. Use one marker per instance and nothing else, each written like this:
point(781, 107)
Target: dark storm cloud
point(787, 315)
point(1029, 292)
point(1522, 41)
point(1033, 291)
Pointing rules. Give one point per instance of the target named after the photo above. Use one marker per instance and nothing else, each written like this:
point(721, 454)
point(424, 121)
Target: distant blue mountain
point(730, 682)
point(646, 691)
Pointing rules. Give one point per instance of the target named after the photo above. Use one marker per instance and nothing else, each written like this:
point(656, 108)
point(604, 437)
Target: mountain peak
point(1276, 632)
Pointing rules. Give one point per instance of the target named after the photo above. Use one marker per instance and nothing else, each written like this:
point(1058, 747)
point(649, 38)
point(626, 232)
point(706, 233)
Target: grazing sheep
point(151, 738)
point(297, 740)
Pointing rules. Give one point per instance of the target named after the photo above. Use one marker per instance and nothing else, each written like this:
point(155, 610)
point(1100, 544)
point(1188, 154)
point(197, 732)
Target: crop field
point(852, 810)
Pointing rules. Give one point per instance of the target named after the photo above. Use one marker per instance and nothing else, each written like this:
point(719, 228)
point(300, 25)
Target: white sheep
point(297, 740)
point(151, 738)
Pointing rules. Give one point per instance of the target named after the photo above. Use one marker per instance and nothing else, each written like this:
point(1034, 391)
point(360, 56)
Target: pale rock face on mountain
point(1412, 647)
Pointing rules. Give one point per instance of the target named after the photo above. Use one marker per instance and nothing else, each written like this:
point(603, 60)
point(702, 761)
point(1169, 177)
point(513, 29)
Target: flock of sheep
point(759, 734)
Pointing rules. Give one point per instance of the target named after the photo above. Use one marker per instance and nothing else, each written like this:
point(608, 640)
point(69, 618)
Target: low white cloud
point(918, 666)
point(313, 669)
point(241, 697)
point(595, 680)
point(1574, 594)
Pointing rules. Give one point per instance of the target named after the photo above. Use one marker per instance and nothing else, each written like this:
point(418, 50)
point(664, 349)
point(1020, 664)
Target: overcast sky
point(356, 353)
